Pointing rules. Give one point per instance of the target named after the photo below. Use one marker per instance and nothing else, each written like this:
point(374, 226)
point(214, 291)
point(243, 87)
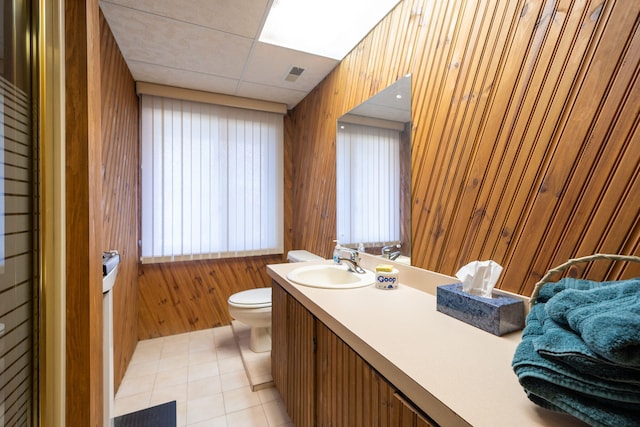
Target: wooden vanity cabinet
point(322, 381)
point(293, 356)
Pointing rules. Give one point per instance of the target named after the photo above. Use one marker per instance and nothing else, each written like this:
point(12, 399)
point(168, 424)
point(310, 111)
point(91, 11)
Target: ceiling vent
point(293, 74)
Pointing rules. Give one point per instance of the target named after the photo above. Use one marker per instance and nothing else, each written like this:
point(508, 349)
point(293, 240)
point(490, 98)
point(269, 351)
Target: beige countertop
point(456, 373)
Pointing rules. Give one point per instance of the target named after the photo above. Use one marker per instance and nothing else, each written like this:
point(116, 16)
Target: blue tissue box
point(498, 315)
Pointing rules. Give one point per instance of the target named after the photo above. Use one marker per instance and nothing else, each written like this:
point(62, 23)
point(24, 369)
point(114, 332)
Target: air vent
point(293, 74)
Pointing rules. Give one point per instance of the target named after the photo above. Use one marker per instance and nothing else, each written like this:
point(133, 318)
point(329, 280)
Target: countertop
point(456, 373)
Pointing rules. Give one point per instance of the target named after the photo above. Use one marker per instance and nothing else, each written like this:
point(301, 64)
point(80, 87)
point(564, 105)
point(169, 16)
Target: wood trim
point(84, 389)
point(144, 88)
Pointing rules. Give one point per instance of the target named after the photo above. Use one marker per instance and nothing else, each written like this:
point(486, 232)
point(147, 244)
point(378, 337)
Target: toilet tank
point(302, 256)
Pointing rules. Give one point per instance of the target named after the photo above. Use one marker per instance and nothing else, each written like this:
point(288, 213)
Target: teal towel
point(607, 318)
point(530, 363)
point(559, 372)
point(566, 347)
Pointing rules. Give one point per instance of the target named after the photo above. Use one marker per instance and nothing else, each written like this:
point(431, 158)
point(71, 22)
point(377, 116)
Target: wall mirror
point(373, 172)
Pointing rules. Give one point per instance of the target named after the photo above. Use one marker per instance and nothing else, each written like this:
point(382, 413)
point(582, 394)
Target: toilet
point(253, 307)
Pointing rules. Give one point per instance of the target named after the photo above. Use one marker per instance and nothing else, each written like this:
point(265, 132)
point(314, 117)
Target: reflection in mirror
point(373, 173)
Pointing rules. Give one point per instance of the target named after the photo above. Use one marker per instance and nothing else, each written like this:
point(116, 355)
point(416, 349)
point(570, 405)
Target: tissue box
point(498, 315)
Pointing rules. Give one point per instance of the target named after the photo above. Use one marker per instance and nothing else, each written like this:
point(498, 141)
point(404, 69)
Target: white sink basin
point(330, 276)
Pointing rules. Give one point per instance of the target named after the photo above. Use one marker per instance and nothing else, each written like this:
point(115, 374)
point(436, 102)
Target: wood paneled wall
point(187, 296)
point(120, 166)
point(526, 148)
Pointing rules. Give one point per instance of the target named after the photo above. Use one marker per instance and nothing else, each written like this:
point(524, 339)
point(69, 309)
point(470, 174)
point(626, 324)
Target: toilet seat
point(252, 298)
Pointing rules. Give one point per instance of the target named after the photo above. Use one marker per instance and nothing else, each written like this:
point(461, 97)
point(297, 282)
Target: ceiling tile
point(153, 39)
point(180, 78)
point(270, 64)
point(291, 97)
point(239, 17)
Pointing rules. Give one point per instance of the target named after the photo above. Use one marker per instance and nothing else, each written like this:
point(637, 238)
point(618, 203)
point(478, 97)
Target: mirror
point(373, 172)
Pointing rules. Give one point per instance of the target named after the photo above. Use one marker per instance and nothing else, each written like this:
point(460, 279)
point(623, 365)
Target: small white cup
point(387, 279)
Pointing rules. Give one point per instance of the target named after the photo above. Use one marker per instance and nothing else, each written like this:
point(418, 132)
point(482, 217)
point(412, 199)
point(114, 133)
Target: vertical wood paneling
point(279, 354)
point(120, 165)
point(349, 391)
point(525, 133)
point(83, 233)
point(293, 358)
point(187, 296)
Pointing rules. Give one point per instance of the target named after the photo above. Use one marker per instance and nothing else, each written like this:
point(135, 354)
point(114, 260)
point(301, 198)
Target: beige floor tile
point(178, 348)
point(227, 349)
point(268, 395)
point(204, 373)
point(251, 417)
point(174, 362)
point(222, 332)
point(177, 392)
point(135, 370)
point(136, 385)
point(203, 370)
point(234, 380)
point(172, 377)
point(181, 414)
point(148, 350)
point(202, 356)
point(230, 364)
point(214, 422)
point(128, 404)
point(239, 398)
point(204, 387)
point(205, 408)
point(276, 413)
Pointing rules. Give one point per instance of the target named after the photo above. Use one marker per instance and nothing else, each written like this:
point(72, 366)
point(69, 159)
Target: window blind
point(212, 181)
point(368, 185)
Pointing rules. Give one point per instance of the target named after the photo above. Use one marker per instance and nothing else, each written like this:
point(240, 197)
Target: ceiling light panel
point(329, 28)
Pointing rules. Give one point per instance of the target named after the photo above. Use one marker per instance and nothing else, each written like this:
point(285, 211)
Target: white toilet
point(253, 307)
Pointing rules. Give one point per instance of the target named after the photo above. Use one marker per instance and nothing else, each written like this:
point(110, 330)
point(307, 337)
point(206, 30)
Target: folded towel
point(567, 347)
point(591, 411)
point(528, 362)
point(549, 290)
point(607, 319)
point(560, 372)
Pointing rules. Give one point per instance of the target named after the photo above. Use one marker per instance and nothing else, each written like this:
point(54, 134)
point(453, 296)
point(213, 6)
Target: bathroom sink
point(330, 276)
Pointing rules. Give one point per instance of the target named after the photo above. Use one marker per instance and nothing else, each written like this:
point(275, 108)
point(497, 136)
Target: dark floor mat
point(163, 415)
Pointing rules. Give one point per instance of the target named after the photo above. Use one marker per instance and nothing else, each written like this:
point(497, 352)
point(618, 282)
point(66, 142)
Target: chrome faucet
point(387, 251)
point(349, 256)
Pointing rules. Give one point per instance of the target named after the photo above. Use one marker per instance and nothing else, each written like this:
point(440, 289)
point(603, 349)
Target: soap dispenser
point(336, 252)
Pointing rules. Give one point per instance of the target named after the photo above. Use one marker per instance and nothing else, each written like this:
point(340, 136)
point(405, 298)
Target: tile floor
point(204, 373)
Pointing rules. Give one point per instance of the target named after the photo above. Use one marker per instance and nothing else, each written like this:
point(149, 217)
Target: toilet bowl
point(253, 307)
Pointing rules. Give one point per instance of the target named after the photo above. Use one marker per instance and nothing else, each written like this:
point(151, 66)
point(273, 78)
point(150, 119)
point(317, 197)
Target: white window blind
point(368, 185)
point(212, 181)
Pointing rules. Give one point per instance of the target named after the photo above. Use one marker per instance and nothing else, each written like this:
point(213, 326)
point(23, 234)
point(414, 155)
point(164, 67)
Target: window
point(212, 181)
point(368, 185)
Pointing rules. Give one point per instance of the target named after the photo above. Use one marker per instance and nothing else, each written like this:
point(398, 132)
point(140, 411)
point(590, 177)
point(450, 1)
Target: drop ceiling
point(210, 45)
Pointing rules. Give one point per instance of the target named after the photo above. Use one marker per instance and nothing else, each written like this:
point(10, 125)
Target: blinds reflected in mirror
point(367, 185)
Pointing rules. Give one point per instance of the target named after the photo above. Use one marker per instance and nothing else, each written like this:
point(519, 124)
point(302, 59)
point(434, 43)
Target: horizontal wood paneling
point(187, 296)
point(525, 133)
point(120, 165)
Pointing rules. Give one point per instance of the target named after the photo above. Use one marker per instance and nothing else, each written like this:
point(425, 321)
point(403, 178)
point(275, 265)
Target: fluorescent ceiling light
point(329, 28)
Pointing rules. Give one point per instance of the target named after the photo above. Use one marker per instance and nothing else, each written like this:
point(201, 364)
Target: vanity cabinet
point(323, 382)
point(293, 356)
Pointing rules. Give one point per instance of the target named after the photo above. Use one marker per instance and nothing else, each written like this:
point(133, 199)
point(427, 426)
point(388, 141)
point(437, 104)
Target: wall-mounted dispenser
point(110, 261)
